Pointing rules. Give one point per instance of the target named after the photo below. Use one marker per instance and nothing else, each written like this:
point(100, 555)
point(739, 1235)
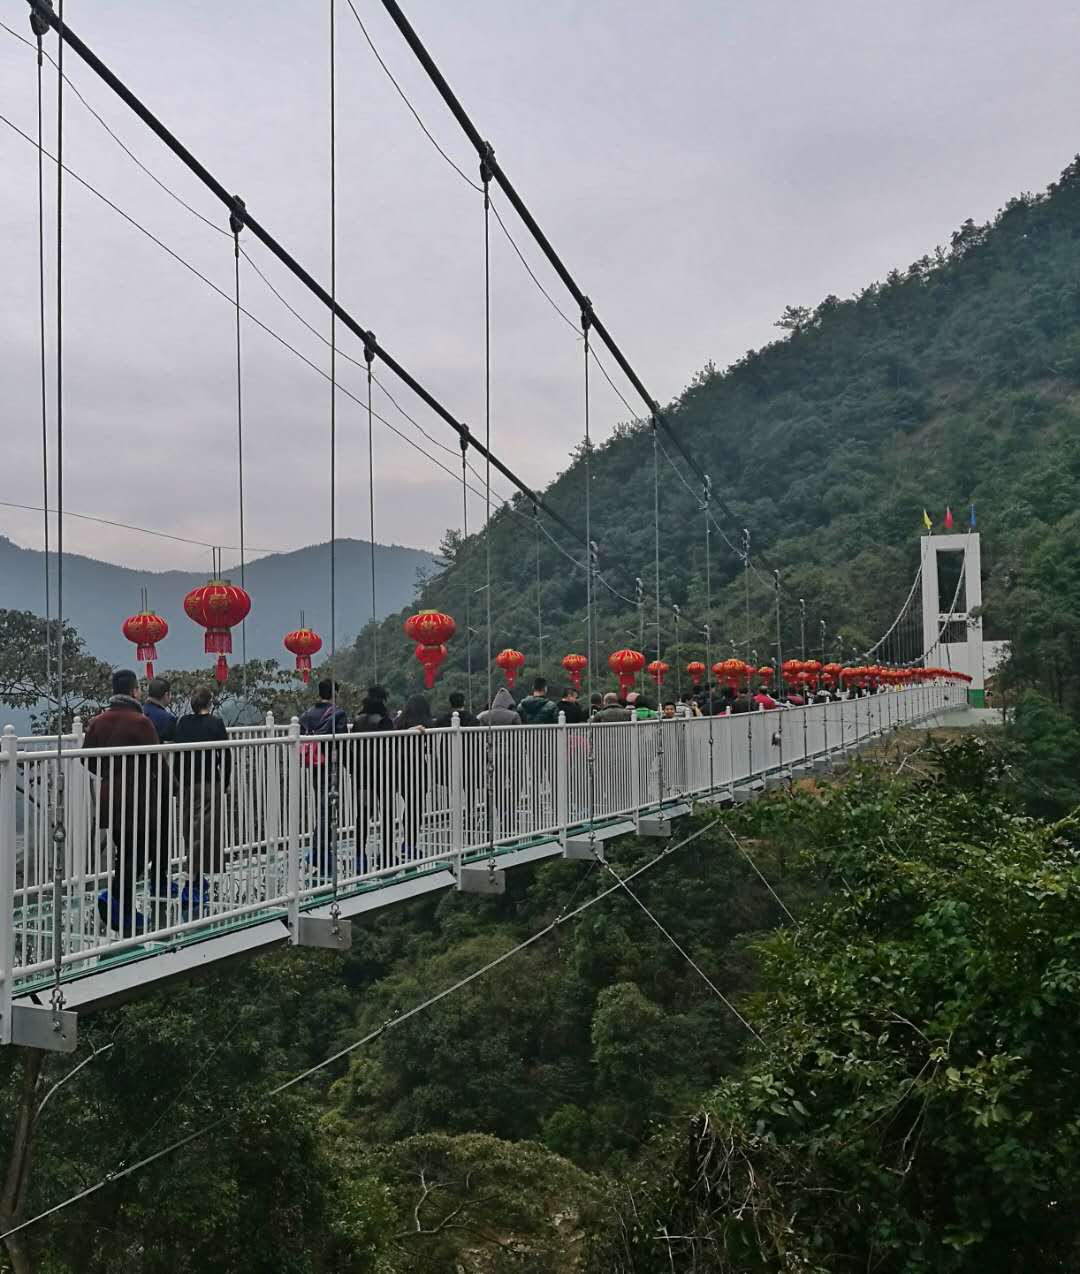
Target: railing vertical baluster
point(8, 788)
point(562, 778)
point(636, 794)
point(292, 849)
point(457, 791)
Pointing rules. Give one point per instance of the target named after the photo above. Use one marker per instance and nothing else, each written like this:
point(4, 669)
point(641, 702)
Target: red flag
point(948, 519)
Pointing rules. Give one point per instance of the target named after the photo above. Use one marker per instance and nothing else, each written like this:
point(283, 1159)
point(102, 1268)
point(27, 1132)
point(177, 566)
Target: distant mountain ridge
point(98, 596)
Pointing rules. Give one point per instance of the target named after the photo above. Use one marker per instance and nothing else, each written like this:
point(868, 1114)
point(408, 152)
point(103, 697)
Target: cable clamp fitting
point(587, 316)
point(237, 220)
point(38, 24)
point(487, 164)
point(464, 438)
point(369, 348)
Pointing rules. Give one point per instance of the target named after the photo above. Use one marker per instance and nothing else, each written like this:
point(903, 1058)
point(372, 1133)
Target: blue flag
point(971, 519)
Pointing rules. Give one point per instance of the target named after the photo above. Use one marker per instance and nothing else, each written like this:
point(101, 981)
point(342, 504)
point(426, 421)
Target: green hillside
point(953, 381)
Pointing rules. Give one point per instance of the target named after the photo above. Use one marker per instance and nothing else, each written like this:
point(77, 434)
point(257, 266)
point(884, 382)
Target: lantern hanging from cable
point(790, 670)
point(696, 670)
point(145, 629)
point(626, 664)
point(830, 674)
point(765, 672)
point(431, 630)
point(511, 662)
point(575, 665)
point(303, 642)
point(431, 657)
point(658, 670)
point(731, 671)
point(813, 667)
point(218, 606)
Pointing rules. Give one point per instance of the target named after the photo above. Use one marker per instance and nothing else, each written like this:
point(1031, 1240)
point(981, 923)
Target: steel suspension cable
point(539, 609)
point(590, 559)
point(706, 495)
point(39, 30)
point(59, 832)
point(334, 776)
point(369, 355)
point(485, 177)
point(468, 591)
point(236, 225)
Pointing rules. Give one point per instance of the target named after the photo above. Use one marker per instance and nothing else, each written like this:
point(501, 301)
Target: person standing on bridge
point(129, 805)
point(203, 776)
point(324, 717)
point(158, 698)
point(500, 786)
point(374, 791)
point(537, 708)
point(415, 718)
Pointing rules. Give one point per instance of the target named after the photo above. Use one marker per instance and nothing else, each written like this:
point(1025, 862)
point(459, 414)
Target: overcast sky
point(698, 163)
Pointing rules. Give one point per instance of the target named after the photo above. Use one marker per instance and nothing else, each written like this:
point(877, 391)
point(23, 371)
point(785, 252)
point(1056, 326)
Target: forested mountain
point(954, 381)
point(98, 596)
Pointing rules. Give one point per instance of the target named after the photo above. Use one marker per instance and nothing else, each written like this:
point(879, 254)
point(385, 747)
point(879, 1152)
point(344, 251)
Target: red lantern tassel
point(149, 654)
point(221, 672)
point(218, 641)
point(303, 666)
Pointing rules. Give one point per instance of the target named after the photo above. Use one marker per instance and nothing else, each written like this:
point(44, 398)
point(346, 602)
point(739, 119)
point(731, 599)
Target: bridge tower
point(962, 639)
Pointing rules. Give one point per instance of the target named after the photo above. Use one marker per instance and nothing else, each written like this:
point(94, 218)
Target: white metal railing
point(181, 841)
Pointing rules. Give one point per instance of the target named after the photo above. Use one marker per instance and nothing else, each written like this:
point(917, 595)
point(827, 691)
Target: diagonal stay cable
point(746, 854)
point(680, 949)
point(127, 1170)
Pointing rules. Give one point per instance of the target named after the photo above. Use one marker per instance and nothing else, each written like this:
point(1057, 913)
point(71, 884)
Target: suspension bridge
point(109, 885)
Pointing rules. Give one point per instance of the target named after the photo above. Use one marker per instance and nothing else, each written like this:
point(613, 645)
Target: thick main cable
point(283, 255)
point(472, 133)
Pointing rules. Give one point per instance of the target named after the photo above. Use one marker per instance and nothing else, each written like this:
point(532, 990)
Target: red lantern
point(511, 662)
point(731, 671)
point(813, 668)
point(658, 670)
point(218, 606)
point(145, 629)
point(830, 673)
point(697, 670)
point(790, 670)
point(626, 664)
point(575, 665)
point(431, 657)
point(303, 643)
point(430, 628)
point(765, 672)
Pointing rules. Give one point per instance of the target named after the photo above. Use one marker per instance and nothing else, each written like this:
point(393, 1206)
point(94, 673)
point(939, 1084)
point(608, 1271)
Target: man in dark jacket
point(374, 794)
point(537, 708)
point(129, 804)
point(457, 704)
point(324, 717)
point(570, 708)
point(158, 698)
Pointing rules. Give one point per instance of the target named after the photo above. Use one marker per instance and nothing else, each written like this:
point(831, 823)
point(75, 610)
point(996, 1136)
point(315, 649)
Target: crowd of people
point(135, 798)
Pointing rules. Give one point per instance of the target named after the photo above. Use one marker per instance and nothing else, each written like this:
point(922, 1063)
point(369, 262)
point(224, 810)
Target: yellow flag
point(926, 520)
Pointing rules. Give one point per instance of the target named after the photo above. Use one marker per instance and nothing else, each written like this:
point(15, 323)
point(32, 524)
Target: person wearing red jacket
point(128, 802)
